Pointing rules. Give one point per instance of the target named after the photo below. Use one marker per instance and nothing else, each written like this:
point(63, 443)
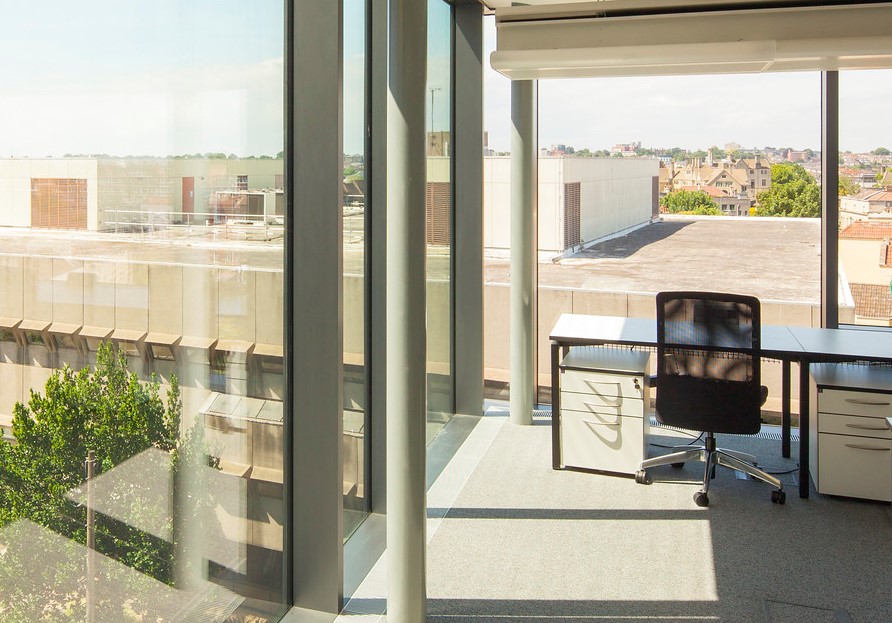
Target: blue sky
point(141, 77)
point(169, 77)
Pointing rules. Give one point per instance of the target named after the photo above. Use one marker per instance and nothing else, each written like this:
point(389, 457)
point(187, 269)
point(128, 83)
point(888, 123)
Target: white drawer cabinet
point(850, 449)
point(604, 409)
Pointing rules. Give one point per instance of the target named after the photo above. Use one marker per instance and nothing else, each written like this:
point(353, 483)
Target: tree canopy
point(689, 202)
point(793, 193)
point(848, 187)
point(107, 410)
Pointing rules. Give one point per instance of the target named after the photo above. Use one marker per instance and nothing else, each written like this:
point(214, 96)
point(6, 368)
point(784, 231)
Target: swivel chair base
point(712, 456)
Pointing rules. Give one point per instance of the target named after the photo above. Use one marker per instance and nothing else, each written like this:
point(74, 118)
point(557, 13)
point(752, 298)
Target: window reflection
point(355, 211)
point(141, 322)
point(438, 206)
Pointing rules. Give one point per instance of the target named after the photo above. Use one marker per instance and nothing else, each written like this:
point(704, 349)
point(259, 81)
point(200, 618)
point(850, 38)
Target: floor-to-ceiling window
point(141, 347)
point(355, 206)
point(679, 183)
point(438, 205)
point(865, 198)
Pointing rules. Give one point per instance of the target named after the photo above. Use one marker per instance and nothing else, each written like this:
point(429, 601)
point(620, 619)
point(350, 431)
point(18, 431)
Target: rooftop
point(771, 258)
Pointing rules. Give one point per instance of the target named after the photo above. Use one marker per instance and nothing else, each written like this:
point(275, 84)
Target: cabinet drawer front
point(853, 425)
point(590, 442)
point(602, 383)
point(855, 467)
point(855, 403)
point(597, 403)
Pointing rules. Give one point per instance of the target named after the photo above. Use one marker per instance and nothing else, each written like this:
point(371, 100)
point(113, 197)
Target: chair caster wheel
point(778, 497)
point(701, 499)
point(642, 478)
point(678, 465)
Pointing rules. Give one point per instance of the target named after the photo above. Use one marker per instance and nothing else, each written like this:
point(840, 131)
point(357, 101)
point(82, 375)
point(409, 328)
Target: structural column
point(406, 334)
point(314, 303)
point(830, 199)
point(524, 243)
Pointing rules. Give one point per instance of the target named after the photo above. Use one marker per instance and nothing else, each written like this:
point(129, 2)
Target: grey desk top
point(777, 341)
point(582, 329)
point(844, 344)
point(856, 377)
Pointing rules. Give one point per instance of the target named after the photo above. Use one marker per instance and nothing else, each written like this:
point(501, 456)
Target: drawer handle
point(591, 424)
point(864, 427)
point(858, 446)
point(594, 407)
point(872, 403)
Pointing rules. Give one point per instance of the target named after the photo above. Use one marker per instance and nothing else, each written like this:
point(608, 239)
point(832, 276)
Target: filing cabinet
point(604, 409)
point(850, 451)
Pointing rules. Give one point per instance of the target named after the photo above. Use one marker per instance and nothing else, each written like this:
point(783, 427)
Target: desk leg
point(785, 409)
point(803, 429)
point(555, 405)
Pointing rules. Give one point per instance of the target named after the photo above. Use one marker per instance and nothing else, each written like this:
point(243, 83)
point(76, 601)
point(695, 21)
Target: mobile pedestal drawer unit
point(850, 443)
point(604, 409)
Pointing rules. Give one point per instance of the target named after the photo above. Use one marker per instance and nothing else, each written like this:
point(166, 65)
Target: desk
point(787, 344)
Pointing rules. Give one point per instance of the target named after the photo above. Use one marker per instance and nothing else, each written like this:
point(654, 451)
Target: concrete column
point(524, 243)
point(406, 334)
point(830, 199)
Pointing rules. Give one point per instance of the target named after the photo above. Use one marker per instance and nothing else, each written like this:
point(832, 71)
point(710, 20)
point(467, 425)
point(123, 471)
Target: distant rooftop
point(866, 230)
point(774, 259)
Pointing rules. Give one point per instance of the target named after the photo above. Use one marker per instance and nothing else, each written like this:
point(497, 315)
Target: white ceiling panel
point(571, 40)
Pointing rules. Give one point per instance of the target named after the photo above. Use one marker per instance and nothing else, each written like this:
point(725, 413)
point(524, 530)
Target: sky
point(159, 77)
point(141, 77)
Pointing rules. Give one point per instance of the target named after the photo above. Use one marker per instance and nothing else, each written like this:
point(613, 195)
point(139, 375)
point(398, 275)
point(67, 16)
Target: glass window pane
point(355, 214)
point(141, 168)
point(865, 198)
point(438, 203)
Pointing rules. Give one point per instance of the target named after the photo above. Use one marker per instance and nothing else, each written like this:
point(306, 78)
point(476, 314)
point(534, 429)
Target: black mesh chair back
point(708, 362)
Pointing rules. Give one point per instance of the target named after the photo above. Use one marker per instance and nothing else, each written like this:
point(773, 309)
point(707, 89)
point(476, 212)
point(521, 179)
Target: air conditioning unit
point(649, 37)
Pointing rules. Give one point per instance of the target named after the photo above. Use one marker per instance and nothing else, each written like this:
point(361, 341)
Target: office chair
point(708, 379)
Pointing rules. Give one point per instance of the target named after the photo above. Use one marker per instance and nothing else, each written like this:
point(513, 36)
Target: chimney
point(709, 158)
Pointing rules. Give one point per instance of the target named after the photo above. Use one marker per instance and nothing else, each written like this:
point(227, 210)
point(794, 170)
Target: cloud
point(227, 108)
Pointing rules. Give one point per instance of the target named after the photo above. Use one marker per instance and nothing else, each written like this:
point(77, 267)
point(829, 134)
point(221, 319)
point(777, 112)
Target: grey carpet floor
point(523, 542)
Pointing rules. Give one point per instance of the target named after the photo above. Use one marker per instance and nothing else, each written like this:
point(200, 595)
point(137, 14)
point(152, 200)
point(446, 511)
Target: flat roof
point(772, 258)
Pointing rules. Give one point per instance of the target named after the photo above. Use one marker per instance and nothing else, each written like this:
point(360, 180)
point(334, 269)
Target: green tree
point(689, 202)
point(881, 151)
point(793, 193)
point(108, 411)
point(717, 152)
point(848, 187)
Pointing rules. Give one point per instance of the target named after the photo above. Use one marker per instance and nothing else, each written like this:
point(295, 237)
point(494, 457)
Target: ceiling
point(548, 39)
